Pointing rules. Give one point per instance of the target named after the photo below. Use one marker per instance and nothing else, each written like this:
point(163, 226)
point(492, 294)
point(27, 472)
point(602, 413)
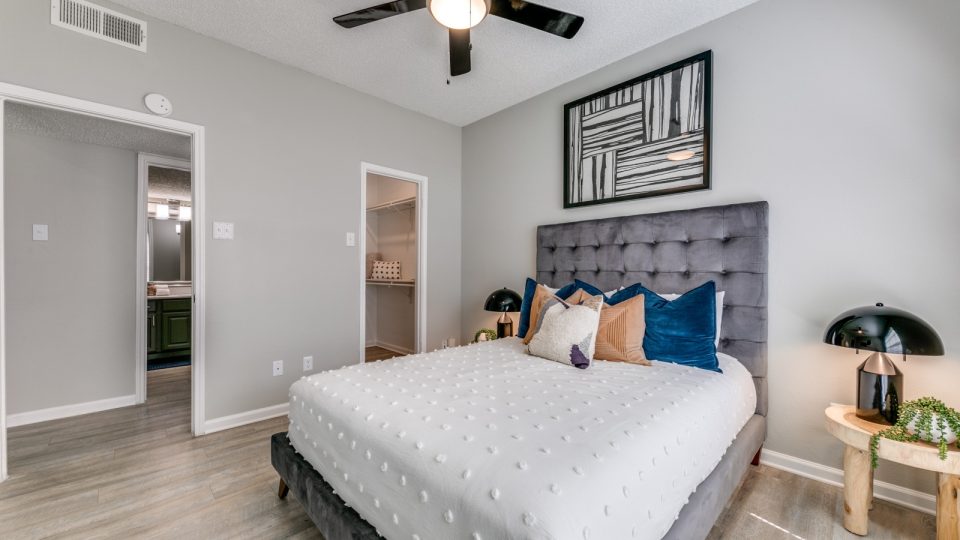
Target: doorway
point(393, 263)
point(94, 215)
point(165, 202)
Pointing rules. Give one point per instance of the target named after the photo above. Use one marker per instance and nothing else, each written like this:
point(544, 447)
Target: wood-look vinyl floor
point(137, 472)
point(372, 354)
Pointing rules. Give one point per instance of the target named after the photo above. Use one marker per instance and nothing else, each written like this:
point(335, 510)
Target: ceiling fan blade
point(536, 16)
point(375, 13)
point(459, 51)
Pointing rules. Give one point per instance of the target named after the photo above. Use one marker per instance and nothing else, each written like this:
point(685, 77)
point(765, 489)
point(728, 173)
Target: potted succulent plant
point(925, 419)
point(485, 334)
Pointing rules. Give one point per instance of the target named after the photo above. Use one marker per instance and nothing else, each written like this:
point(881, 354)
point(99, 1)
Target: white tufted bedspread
point(485, 442)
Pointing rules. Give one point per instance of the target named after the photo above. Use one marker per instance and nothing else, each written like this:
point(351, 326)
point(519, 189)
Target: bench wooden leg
point(283, 490)
point(948, 507)
point(756, 458)
point(857, 490)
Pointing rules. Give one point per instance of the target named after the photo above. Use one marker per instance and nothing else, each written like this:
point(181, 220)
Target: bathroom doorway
point(165, 199)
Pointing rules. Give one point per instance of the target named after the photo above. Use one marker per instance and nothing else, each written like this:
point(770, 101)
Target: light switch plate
point(41, 233)
point(222, 230)
point(351, 239)
point(308, 363)
point(277, 368)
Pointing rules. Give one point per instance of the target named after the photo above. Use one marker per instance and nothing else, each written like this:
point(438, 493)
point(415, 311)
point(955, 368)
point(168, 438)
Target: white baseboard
point(66, 411)
point(394, 348)
point(917, 500)
point(244, 418)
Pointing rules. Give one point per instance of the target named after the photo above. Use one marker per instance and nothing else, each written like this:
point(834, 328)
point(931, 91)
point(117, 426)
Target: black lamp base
point(879, 389)
point(504, 326)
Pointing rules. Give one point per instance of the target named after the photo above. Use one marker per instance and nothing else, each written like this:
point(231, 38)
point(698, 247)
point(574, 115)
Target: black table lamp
point(503, 301)
point(883, 330)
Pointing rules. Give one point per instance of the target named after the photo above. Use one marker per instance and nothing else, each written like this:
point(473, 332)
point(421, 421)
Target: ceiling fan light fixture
point(458, 14)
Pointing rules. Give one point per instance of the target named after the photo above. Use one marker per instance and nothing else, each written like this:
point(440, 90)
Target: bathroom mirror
point(168, 250)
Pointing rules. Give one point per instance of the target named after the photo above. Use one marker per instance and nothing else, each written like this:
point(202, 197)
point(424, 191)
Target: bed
point(486, 442)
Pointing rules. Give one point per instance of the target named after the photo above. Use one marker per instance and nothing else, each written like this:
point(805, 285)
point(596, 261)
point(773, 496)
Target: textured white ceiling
point(163, 183)
point(56, 124)
point(404, 59)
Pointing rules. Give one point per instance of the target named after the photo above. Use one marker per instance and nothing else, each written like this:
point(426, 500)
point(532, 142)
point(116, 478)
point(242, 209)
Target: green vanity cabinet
point(169, 327)
point(153, 331)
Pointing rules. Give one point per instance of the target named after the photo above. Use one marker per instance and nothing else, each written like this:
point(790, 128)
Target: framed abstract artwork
point(646, 137)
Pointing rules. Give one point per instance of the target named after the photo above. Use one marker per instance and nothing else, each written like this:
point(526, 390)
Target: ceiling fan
point(459, 16)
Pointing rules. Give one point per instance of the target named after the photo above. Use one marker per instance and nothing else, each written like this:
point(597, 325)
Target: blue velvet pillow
point(682, 331)
point(528, 291)
point(620, 296)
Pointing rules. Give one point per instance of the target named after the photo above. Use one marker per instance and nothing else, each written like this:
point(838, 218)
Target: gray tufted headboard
point(675, 252)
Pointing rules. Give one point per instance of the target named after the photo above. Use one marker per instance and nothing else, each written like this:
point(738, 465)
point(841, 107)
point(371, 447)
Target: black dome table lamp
point(883, 330)
point(503, 301)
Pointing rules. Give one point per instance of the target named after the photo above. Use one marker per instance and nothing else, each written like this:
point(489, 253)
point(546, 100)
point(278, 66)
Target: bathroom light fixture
point(186, 213)
point(163, 211)
point(680, 155)
point(458, 14)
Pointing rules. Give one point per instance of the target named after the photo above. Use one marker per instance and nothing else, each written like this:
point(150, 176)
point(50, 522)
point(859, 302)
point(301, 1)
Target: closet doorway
point(393, 262)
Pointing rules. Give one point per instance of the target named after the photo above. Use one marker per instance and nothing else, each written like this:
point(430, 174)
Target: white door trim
point(31, 96)
point(3, 306)
point(144, 162)
point(420, 287)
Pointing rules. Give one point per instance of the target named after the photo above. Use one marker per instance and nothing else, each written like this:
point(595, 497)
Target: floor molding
point(66, 411)
point(241, 419)
point(911, 498)
point(394, 348)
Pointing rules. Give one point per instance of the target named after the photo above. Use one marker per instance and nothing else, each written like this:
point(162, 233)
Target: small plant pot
point(950, 435)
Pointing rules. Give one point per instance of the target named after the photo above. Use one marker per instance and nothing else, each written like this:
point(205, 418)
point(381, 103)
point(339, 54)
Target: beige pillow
point(621, 330)
point(568, 332)
point(541, 296)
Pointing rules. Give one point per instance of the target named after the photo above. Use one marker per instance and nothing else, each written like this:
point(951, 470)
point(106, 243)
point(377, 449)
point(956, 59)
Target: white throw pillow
point(716, 340)
point(568, 332)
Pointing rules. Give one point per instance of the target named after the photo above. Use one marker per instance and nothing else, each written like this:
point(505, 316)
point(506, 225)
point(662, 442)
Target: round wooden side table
point(843, 423)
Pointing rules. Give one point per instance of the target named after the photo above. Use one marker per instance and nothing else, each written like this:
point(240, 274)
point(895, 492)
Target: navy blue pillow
point(682, 331)
point(528, 291)
point(620, 296)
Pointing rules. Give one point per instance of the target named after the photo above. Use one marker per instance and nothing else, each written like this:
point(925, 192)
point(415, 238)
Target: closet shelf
point(391, 283)
point(399, 204)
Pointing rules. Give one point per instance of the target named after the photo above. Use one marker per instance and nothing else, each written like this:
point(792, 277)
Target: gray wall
point(70, 303)
point(283, 163)
point(843, 115)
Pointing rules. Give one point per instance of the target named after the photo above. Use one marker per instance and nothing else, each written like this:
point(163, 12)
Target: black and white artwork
point(645, 137)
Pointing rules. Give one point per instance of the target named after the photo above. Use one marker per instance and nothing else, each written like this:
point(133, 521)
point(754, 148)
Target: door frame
point(420, 285)
point(144, 162)
point(30, 96)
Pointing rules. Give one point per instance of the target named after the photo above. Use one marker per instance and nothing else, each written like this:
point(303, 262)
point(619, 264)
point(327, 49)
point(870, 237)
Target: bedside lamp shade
point(503, 301)
point(883, 330)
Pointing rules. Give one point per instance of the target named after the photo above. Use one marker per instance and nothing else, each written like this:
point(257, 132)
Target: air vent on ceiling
point(99, 22)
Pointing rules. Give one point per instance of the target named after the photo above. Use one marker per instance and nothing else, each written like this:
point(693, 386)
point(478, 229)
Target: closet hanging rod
point(398, 204)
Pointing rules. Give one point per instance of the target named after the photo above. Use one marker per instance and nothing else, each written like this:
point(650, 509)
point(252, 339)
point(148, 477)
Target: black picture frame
point(634, 165)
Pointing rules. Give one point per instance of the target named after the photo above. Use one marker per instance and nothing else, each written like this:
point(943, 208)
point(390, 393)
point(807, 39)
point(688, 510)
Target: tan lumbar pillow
point(621, 330)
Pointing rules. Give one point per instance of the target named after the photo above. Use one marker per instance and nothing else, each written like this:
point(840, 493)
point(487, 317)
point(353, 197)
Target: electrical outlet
point(222, 231)
point(308, 363)
point(278, 368)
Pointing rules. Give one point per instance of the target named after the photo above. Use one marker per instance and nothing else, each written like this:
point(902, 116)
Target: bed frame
point(667, 252)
